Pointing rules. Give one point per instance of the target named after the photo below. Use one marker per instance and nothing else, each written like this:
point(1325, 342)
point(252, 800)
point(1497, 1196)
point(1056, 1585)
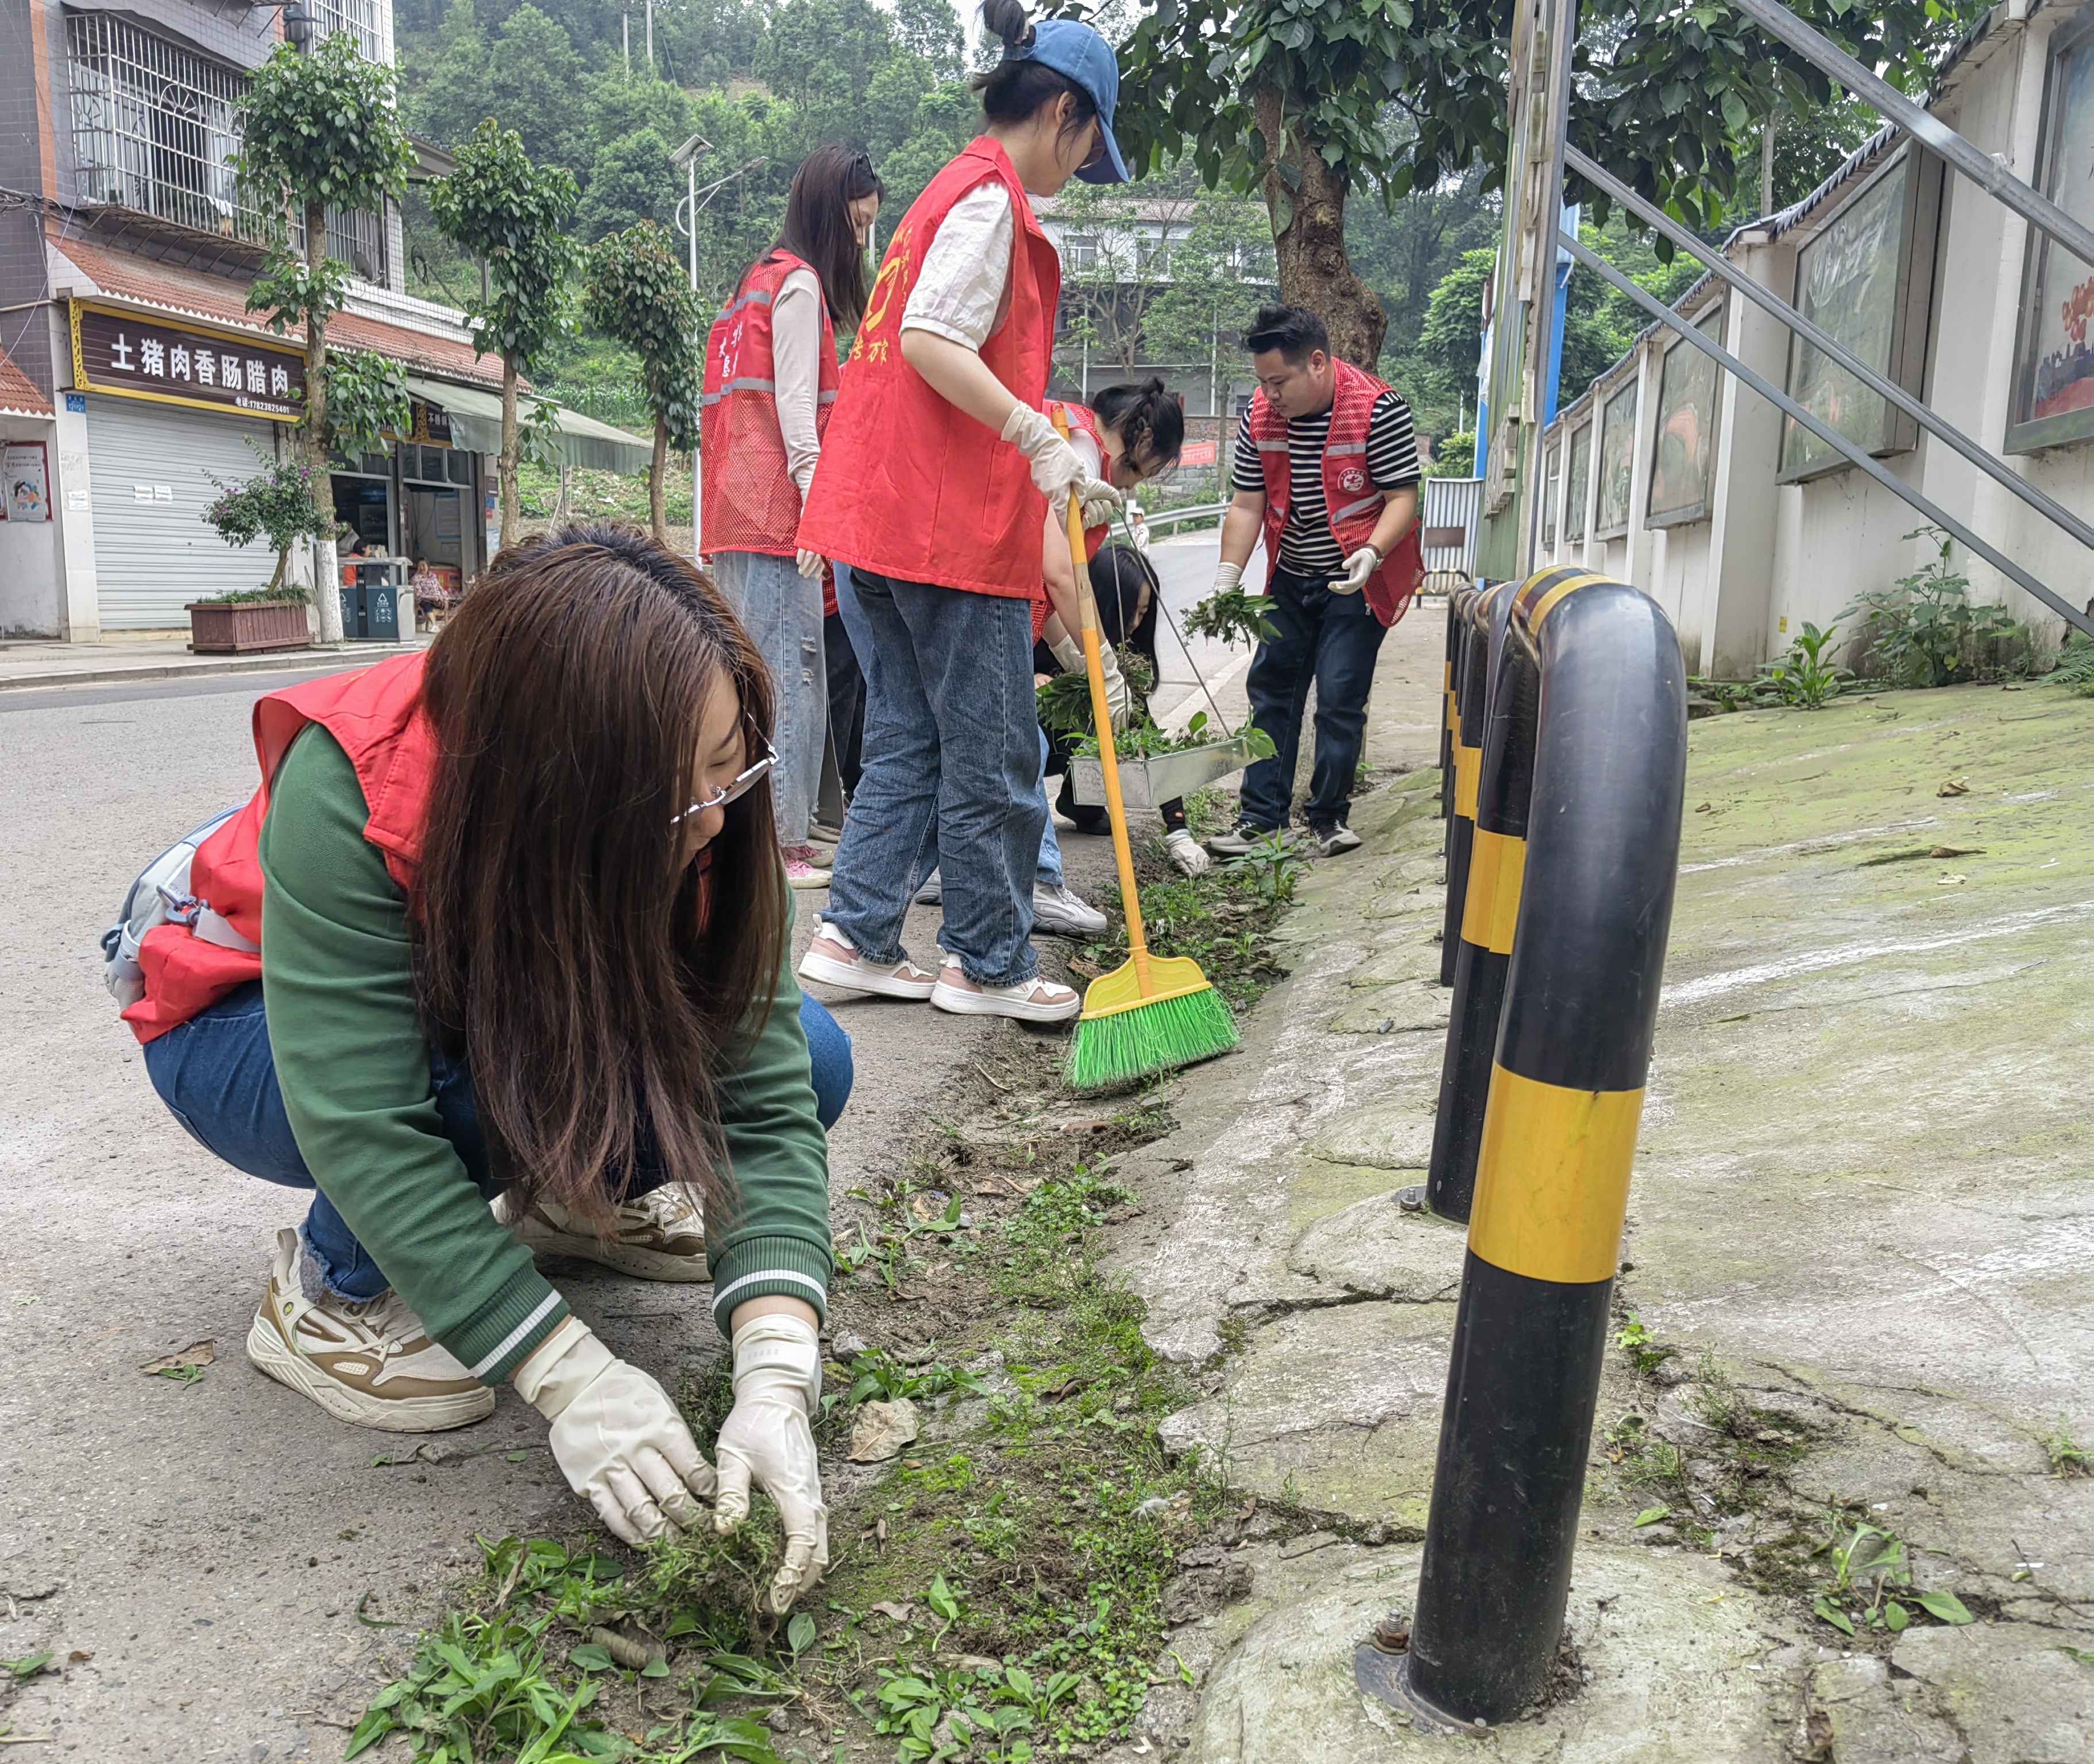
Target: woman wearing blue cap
point(935, 483)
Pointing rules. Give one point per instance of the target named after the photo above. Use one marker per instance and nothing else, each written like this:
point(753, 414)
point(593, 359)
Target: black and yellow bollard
point(1559, 1136)
point(1497, 858)
point(1481, 611)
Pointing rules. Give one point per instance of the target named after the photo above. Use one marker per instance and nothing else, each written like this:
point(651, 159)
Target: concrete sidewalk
point(1862, 1192)
point(143, 655)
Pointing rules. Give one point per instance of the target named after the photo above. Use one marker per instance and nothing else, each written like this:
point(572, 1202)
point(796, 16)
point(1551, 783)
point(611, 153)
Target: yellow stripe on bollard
point(1497, 868)
point(1468, 774)
point(1551, 596)
point(1552, 1179)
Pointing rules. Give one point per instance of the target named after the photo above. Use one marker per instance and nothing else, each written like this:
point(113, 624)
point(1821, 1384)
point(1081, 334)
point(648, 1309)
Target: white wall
point(29, 576)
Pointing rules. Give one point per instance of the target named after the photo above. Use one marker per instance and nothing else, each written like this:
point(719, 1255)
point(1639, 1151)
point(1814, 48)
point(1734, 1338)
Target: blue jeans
point(1047, 872)
point(218, 1078)
point(952, 775)
point(1332, 639)
point(781, 611)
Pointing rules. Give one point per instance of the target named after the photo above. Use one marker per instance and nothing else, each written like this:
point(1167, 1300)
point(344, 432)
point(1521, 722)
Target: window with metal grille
point(155, 128)
point(361, 19)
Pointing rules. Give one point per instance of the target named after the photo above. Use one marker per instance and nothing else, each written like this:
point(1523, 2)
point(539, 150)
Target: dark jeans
point(952, 775)
point(846, 700)
point(218, 1078)
point(1331, 639)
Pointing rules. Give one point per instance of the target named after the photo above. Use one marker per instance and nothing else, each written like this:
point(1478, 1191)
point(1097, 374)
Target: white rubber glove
point(1057, 467)
point(1119, 701)
point(810, 563)
point(1227, 576)
point(1098, 510)
point(1186, 852)
point(1361, 565)
point(616, 1435)
point(767, 1439)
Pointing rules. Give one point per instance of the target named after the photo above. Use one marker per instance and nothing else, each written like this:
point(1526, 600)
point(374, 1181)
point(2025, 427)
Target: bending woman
point(771, 382)
point(527, 937)
point(934, 486)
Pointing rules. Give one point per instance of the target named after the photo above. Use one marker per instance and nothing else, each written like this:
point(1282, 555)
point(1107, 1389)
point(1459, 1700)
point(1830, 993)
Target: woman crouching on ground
point(527, 940)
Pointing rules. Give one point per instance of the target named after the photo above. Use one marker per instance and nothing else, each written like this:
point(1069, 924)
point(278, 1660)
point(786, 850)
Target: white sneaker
point(1033, 1001)
point(371, 1363)
point(932, 891)
point(1064, 909)
point(658, 1235)
point(833, 960)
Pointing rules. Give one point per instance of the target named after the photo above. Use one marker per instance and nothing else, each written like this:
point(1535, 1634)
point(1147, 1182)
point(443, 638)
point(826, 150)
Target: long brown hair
point(597, 985)
point(817, 227)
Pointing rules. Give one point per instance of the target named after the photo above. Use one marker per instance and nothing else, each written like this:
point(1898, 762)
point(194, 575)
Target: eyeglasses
point(740, 785)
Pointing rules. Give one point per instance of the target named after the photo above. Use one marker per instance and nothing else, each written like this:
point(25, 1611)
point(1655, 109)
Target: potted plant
point(276, 504)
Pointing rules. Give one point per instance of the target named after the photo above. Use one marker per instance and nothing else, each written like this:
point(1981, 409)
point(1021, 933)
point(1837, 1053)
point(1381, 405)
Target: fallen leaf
point(892, 1608)
point(79, 1657)
point(1652, 1516)
point(1955, 787)
point(1703, 808)
point(882, 1429)
point(1950, 881)
point(198, 1355)
point(1957, 851)
point(879, 1532)
point(1098, 1126)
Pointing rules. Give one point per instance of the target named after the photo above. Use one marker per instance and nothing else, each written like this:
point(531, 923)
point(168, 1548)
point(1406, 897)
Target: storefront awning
point(476, 425)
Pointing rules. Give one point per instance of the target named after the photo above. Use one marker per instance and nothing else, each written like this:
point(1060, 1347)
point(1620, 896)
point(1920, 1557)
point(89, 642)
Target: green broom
point(1153, 1013)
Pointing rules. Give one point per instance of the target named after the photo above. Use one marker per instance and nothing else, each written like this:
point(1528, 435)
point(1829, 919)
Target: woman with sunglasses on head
point(526, 940)
point(936, 479)
point(771, 382)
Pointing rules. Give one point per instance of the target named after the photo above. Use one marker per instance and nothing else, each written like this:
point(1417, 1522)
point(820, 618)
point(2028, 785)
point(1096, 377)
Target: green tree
point(1221, 272)
point(637, 291)
point(1309, 100)
point(318, 131)
point(512, 216)
point(630, 180)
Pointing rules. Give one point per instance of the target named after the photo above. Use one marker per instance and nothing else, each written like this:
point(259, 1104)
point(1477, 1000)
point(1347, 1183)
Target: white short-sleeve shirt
point(960, 292)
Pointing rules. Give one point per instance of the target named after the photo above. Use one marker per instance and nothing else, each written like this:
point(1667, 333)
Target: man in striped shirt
point(1324, 629)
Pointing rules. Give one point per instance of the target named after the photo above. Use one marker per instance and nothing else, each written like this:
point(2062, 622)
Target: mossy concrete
point(1862, 1190)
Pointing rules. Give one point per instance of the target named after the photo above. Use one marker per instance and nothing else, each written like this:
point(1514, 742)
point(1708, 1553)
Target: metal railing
point(1547, 29)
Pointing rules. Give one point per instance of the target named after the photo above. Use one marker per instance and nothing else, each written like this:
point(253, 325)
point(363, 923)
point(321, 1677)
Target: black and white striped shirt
point(1307, 546)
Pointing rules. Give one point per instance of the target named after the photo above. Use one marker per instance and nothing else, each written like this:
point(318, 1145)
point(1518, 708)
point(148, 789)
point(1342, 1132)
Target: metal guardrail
point(1202, 511)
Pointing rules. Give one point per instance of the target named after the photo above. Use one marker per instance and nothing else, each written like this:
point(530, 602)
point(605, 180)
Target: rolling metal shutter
point(152, 553)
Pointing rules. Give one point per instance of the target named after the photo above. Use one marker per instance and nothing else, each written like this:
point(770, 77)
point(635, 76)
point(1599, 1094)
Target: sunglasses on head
point(741, 785)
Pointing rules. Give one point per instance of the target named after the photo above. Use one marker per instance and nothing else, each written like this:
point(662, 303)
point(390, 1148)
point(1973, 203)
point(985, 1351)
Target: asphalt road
point(196, 1557)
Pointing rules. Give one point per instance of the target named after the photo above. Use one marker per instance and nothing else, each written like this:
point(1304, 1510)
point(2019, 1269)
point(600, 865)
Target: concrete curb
point(348, 654)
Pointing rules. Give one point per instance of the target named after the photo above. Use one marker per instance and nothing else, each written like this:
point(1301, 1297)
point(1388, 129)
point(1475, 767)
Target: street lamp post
point(688, 156)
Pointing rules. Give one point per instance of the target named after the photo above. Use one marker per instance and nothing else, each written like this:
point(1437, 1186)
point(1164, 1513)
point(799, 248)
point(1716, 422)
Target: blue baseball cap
point(1085, 57)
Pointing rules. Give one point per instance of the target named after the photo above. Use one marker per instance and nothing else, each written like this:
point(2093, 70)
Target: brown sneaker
point(658, 1235)
point(370, 1363)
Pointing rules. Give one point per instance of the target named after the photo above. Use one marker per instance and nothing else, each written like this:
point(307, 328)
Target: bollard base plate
point(1386, 1677)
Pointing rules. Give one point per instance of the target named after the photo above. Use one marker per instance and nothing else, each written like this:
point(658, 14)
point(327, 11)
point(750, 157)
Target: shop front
point(410, 514)
point(174, 411)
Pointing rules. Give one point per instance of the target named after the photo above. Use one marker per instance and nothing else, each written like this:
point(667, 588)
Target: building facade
point(140, 382)
point(1670, 475)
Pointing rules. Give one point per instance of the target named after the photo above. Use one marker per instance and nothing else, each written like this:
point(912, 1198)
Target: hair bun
point(1007, 19)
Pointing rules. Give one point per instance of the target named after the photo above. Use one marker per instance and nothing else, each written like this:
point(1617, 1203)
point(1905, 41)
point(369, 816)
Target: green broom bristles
point(1151, 1038)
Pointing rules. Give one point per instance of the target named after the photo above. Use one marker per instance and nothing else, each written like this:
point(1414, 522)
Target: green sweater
point(338, 980)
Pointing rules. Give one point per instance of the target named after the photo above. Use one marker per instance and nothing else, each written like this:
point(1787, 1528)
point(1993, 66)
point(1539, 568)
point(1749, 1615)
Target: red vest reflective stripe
point(1349, 497)
point(751, 503)
point(908, 486)
point(375, 715)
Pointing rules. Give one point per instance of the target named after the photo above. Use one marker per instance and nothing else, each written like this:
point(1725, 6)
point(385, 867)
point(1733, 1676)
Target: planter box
point(1149, 783)
point(242, 627)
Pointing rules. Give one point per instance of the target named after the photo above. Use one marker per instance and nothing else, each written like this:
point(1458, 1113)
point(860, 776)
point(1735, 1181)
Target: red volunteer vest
point(376, 715)
point(908, 486)
point(1352, 502)
point(750, 501)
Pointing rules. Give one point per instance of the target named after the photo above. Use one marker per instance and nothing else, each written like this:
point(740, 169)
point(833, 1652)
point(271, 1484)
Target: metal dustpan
point(1149, 783)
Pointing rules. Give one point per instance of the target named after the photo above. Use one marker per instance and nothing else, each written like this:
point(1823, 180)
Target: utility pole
point(625, 35)
point(1766, 162)
point(650, 36)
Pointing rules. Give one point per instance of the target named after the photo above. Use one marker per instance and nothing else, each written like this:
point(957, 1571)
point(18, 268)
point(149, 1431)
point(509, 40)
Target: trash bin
point(371, 612)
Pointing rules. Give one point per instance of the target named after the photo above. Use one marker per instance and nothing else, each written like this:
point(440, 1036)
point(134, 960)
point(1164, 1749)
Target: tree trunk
point(657, 499)
point(507, 460)
point(1313, 269)
point(283, 563)
point(326, 594)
